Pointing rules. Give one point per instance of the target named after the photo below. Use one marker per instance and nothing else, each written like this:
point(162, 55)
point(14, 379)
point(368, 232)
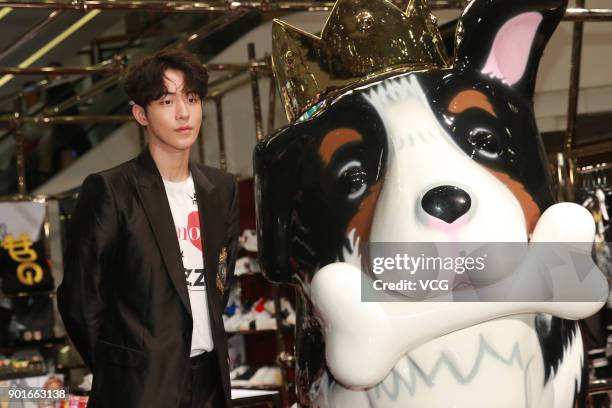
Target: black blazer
point(124, 298)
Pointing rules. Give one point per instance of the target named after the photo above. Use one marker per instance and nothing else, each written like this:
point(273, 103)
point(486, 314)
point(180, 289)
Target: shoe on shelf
point(270, 307)
point(243, 379)
point(231, 309)
point(287, 312)
point(246, 265)
point(238, 371)
point(86, 383)
point(247, 321)
point(265, 321)
point(234, 323)
point(248, 240)
point(266, 376)
point(274, 376)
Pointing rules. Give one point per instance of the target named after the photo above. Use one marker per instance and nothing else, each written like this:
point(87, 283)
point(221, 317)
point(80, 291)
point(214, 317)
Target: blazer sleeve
point(233, 231)
point(83, 293)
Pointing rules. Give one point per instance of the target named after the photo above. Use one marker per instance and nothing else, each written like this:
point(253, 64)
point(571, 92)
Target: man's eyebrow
point(174, 93)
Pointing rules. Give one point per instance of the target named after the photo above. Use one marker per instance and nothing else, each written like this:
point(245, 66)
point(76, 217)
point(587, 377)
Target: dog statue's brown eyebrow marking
point(335, 139)
point(470, 98)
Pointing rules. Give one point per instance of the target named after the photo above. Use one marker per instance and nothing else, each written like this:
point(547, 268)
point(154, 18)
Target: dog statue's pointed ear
point(506, 38)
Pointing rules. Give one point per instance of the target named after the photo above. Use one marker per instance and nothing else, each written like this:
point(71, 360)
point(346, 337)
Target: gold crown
point(361, 39)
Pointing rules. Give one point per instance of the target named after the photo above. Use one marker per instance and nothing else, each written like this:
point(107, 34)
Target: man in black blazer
point(144, 286)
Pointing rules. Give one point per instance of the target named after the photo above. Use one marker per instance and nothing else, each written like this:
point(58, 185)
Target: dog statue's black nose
point(446, 203)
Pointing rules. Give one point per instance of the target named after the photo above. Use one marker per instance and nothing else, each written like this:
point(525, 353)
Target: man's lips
point(183, 129)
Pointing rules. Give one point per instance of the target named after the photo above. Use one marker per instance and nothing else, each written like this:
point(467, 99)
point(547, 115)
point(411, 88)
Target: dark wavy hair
point(144, 82)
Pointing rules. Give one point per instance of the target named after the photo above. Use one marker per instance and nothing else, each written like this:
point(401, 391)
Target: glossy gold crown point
point(418, 7)
point(360, 39)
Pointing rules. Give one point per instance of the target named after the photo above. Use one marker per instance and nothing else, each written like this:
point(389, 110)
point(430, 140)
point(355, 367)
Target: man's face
point(173, 121)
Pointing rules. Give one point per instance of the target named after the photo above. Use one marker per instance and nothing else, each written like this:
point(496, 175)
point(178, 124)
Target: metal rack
point(234, 10)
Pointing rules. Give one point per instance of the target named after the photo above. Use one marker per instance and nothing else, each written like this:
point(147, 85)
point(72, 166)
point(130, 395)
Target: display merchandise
point(245, 265)
point(23, 259)
point(261, 316)
point(394, 140)
point(22, 364)
point(27, 335)
point(257, 334)
point(248, 240)
point(245, 376)
point(593, 193)
point(33, 318)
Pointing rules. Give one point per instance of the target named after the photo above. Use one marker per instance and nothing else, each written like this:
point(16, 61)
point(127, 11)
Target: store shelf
point(20, 345)
point(259, 387)
point(250, 274)
point(248, 332)
point(255, 332)
point(49, 293)
point(22, 373)
point(63, 368)
point(270, 399)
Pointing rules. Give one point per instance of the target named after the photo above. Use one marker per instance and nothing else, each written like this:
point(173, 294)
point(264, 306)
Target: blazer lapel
point(209, 229)
point(152, 193)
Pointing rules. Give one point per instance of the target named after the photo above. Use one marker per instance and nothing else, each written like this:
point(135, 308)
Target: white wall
point(121, 146)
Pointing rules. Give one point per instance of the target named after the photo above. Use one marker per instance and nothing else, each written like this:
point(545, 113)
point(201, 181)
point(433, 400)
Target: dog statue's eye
point(485, 143)
point(353, 179)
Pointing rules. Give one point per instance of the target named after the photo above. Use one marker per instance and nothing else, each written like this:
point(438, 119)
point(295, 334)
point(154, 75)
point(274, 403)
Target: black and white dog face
point(462, 149)
point(439, 155)
point(446, 155)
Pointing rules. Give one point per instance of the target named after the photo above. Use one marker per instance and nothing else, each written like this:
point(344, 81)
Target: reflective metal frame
point(30, 33)
point(572, 14)
point(578, 15)
point(190, 6)
point(255, 94)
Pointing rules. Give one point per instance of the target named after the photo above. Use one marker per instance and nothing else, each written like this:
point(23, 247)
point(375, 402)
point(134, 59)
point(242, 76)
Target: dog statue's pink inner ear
point(510, 52)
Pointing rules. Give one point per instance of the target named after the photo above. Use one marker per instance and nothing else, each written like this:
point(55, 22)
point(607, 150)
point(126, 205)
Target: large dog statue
point(393, 141)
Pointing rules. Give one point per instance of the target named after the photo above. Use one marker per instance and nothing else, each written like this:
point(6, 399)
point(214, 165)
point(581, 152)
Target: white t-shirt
point(184, 208)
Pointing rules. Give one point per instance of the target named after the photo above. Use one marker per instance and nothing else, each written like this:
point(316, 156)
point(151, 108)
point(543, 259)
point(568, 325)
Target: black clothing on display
point(124, 296)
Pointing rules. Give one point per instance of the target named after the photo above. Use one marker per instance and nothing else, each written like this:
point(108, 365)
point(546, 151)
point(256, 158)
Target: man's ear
point(140, 114)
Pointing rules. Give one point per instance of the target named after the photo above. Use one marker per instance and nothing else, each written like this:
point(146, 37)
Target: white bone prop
point(353, 329)
point(565, 222)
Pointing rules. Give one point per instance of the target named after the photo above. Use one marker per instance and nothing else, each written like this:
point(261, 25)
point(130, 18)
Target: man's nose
point(181, 109)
